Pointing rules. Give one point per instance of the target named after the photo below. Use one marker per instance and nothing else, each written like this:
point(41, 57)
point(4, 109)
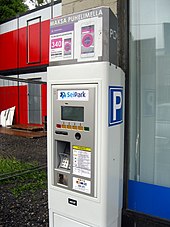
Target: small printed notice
point(67, 47)
point(82, 161)
point(81, 185)
point(87, 41)
point(61, 42)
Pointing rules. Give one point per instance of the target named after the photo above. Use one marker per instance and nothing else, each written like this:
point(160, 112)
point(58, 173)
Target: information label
point(61, 42)
point(81, 185)
point(87, 41)
point(82, 161)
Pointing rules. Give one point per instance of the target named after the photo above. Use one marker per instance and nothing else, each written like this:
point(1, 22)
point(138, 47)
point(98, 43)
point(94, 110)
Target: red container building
point(24, 54)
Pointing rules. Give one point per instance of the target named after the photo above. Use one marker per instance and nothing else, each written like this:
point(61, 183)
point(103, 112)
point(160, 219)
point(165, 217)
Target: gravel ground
point(30, 208)
point(24, 149)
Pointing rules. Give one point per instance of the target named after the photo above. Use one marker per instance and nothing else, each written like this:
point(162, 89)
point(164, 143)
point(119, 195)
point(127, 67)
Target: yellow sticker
point(82, 148)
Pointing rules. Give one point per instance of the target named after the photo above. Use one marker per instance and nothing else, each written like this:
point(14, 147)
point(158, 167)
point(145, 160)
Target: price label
point(56, 43)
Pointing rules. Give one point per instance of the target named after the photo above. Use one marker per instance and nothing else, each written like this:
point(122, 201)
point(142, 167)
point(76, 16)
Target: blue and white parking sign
point(115, 105)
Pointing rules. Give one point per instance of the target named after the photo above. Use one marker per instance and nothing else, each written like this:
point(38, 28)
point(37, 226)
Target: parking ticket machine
point(85, 122)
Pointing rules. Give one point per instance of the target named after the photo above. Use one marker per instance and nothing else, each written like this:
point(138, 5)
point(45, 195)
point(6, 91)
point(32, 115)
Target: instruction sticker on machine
point(81, 185)
point(82, 161)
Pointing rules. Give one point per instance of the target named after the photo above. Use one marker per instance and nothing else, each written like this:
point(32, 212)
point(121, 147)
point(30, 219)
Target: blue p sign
point(115, 105)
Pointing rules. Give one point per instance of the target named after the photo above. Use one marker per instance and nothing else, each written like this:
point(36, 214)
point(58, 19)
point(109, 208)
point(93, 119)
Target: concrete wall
point(72, 6)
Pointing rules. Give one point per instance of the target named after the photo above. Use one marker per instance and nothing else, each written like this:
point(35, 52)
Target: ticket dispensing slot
point(62, 162)
point(63, 149)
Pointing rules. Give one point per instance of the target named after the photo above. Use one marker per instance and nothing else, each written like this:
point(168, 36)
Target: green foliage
point(9, 165)
point(11, 8)
point(31, 181)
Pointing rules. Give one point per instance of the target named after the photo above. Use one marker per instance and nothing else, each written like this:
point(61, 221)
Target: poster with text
point(61, 42)
point(87, 41)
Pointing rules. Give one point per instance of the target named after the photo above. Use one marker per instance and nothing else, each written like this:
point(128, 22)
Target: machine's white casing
point(104, 209)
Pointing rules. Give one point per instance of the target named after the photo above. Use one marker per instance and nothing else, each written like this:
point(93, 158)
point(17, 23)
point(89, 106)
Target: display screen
point(72, 113)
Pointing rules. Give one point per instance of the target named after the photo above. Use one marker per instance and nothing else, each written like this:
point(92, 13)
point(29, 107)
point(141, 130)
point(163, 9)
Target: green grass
point(29, 182)
point(9, 165)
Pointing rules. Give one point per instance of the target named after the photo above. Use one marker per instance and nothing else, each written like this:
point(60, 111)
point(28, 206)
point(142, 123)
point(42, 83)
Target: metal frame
point(134, 219)
point(27, 40)
point(31, 80)
point(123, 59)
point(40, 105)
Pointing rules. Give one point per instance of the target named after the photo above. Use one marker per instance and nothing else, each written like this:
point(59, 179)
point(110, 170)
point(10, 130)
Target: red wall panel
point(44, 45)
point(23, 105)
point(44, 100)
point(22, 47)
point(45, 31)
point(9, 98)
point(8, 50)
point(34, 42)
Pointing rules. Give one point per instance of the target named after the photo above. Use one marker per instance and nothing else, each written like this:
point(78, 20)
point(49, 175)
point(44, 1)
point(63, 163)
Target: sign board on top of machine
point(84, 37)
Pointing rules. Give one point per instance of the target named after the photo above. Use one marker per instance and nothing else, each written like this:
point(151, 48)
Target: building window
point(149, 170)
